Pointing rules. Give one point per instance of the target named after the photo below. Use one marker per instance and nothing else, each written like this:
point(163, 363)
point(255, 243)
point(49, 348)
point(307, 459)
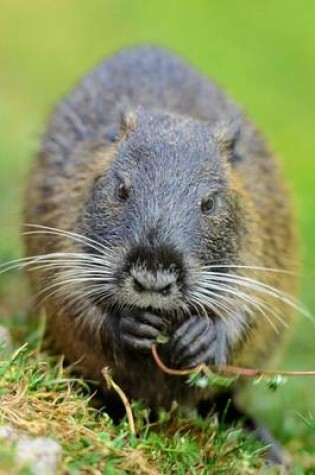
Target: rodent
point(171, 210)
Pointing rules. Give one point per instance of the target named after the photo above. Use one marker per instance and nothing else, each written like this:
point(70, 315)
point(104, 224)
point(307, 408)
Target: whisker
point(85, 269)
point(255, 302)
point(41, 229)
point(261, 288)
point(232, 316)
point(54, 288)
point(210, 304)
point(234, 311)
point(51, 258)
point(215, 296)
point(85, 297)
point(68, 282)
point(254, 268)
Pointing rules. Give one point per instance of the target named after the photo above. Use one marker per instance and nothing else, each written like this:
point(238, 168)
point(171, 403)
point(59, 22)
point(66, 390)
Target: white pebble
point(40, 454)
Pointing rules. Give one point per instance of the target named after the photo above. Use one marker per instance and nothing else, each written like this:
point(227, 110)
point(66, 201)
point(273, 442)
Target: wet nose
point(160, 282)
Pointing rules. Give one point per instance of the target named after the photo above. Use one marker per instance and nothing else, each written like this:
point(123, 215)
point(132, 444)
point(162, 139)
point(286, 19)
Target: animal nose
point(139, 287)
point(161, 282)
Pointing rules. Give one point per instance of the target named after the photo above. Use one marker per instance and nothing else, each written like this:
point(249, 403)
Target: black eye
point(123, 191)
point(209, 204)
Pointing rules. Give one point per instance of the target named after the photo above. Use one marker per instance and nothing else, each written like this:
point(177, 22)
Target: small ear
point(127, 116)
point(226, 135)
point(124, 124)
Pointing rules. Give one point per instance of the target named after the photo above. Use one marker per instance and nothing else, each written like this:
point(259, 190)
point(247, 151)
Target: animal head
point(165, 206)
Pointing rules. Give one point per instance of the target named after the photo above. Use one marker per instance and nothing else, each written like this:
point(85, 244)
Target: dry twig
point(111, 384)
point(226, 369)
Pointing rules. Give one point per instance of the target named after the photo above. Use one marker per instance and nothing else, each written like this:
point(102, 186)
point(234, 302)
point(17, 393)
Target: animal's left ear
point(226, 135)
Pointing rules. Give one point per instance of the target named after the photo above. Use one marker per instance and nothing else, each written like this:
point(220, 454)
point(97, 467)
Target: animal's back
point(147, 76)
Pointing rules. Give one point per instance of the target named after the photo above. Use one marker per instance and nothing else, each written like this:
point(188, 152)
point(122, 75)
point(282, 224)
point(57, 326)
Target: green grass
point(39, 398)
point(263, 53)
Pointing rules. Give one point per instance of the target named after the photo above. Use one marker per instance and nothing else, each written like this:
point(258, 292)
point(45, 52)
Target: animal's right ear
point(124, 124)
point(226, 135)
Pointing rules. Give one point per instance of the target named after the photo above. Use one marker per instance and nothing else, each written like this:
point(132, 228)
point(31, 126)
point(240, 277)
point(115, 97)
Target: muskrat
point(156, 208)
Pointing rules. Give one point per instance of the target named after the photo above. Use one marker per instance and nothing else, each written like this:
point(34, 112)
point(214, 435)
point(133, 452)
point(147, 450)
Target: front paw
point(198, 340)
point(139, 332)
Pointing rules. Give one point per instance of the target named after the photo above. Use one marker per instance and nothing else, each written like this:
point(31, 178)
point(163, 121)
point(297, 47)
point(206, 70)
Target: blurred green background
point(262, 52)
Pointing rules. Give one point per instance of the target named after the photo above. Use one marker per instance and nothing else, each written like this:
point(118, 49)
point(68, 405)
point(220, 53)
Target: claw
point(199, 335)
point(199, 349)
point(139, 332)
point(198, 340)
point(203, 357)
point(142, 344)
point(132, 327)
